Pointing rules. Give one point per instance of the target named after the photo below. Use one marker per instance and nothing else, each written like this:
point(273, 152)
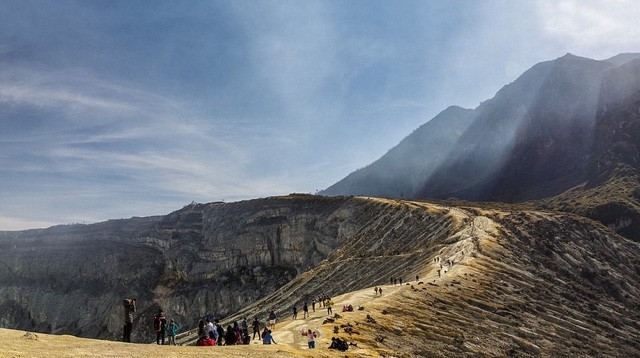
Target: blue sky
point(113, 109)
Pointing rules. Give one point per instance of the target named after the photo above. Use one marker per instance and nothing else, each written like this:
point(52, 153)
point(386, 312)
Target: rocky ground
point(512, 282)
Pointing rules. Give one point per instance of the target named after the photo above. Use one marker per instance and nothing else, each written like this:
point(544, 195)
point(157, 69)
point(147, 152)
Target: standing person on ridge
point(329, 303)
point(129, 309)
point(272, 320)
point(172, 331)
point(305, 310)
point(295, 311)
point(256, 328)
point(160, 325)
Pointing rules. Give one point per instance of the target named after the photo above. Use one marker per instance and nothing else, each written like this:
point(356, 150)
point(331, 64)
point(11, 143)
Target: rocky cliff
point(210, 259)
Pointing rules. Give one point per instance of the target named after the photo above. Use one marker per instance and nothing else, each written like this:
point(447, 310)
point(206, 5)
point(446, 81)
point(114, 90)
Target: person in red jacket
point(205, 340)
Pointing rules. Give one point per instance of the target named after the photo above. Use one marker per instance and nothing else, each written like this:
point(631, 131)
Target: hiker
point(201, 328)
point(159, 325)
point(245, 326)
point(305, 310)
point(219, 331)
point(417, 279)
point(210, 328)
point(295, 312)
point(391, 280)
point(311, 339)
point(230, 336)
point(268, 338)
point(328, 304)
point(172, 330)
point(339, 344)
point(380, 291)
point(313, 305)
point(401, 281)
point(256, 328)
point(205, 340)
point(238, 332)
point(376, 291)
point(129, 308)
point(272, 320)
point(246, 338)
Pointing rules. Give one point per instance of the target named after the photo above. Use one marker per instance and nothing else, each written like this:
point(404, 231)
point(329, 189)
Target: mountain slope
point(538, 137)
point(416, 157)
point(513, 283)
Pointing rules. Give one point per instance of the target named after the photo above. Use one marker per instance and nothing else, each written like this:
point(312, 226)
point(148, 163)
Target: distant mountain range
point(539, 136)
point(566, 123)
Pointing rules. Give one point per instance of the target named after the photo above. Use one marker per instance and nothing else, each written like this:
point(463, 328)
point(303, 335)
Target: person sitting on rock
point(220, 331)
point(268, 338)
point(230, 336)
point(339, 344)
point(205, 340)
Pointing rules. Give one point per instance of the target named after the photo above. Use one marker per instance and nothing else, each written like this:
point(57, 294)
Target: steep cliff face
point(204, 259)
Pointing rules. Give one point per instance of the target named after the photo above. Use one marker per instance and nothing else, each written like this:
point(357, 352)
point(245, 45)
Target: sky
point(113, 109)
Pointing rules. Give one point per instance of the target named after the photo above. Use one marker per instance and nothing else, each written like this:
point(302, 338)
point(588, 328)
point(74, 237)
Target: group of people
point(161, 328)
point(322, 301)
point(377, 291)
point(213, 333)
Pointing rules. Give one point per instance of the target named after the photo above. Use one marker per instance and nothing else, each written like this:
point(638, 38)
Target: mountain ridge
point(560, 124)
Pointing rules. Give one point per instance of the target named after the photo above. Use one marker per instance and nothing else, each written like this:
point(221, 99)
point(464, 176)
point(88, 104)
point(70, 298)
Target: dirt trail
point(289, 331)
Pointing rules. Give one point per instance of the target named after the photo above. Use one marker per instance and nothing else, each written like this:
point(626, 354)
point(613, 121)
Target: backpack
point(157, 324)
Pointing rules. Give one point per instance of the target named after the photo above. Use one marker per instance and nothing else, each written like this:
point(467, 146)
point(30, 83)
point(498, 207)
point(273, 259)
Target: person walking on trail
point(272, 320)
point(375, 290)
point(417, 279)
point(172, 331)
point(256, 328)
point(311, 339)
point(380, 291)
point(160, 325)
point(295, 312)
point(305, 310)
point(129, 309)
point(313, 305)
point(329, 303)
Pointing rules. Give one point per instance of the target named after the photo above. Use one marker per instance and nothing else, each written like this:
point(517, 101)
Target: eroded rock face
point(210, 259)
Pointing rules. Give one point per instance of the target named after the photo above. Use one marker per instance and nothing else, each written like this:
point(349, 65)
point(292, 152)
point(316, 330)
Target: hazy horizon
point(120, 109)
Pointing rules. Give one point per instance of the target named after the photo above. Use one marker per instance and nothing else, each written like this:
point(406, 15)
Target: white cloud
point(12, 224)
point(589, 26)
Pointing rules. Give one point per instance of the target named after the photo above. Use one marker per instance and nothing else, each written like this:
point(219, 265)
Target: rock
point(31, 336)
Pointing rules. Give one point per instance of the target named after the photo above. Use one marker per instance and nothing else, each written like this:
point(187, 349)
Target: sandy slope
point(287, 334)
